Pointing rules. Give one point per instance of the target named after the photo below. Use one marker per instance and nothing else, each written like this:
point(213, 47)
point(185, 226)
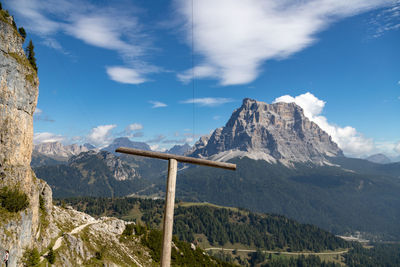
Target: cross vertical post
point(169, 213)
point(170, 190)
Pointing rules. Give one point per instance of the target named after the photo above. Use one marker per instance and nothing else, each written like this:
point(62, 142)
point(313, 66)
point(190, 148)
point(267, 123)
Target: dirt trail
point(59, 240)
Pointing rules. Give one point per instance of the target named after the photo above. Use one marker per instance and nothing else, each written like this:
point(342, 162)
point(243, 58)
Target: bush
point(41, 203)
point(51, 257)
point(128, 230)
point(13, 200)
point(31, 257)
point(139, 229)
point(99, 255)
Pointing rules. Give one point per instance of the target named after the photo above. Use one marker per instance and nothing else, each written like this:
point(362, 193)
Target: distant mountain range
point(286, 165)
point(58, 151)
point(92, 173)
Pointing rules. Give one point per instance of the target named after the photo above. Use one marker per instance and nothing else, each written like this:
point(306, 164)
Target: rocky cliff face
point(272, 132)
point(18, 97)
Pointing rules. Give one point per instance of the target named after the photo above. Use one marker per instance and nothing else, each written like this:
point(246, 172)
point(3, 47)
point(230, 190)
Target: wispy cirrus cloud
point(386, 20)
point(158, 104)
point(208, 101)
point(115, 28)
point(235, 37)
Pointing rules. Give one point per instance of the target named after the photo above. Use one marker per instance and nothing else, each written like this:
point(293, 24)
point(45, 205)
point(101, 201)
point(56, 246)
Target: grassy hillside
point(210, 225)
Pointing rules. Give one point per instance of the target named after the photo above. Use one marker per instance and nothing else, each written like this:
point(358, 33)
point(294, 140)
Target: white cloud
point(235, 37)
point(125, 75)
point(397, 147)
point(158, 104)
point(208, 101)
point(105, 31)
point(46, 137)
point(348, 139)
point(154, 147)
point(198, 72)
point(100, 136)
point(134, 127)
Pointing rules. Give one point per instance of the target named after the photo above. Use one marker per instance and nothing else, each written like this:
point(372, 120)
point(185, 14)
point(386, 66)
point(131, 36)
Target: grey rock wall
point(18, 98)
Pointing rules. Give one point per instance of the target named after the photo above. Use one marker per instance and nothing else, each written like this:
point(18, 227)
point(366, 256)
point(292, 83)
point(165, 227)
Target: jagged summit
point(272, 132)
point(58, 150)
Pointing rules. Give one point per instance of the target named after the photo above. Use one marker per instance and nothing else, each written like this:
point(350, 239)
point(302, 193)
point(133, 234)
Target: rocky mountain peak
point(179, 149)
point(59, 151)
point(273, 132)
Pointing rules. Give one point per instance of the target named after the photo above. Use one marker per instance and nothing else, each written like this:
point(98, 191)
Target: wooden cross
point(170, 191)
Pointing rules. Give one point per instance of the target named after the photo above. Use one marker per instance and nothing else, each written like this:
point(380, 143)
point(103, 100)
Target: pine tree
point(22, 32)
point(31, 55)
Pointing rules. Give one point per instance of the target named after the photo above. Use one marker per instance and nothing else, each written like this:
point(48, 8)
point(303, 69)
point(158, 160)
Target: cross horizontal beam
point(166, 156)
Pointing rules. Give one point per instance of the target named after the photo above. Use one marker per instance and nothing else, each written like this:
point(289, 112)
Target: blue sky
point(124, 68)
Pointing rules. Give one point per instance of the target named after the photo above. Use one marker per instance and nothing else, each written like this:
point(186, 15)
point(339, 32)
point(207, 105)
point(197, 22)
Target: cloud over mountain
point(349, 140)
point(101, 136)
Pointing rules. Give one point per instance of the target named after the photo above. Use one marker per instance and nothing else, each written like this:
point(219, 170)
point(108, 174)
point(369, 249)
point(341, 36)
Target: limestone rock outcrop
point(18, 98)
point(272, 132)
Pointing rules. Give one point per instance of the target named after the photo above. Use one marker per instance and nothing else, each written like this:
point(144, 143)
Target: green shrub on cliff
point(22, 32)
point(13, 200)
point(31, 257)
